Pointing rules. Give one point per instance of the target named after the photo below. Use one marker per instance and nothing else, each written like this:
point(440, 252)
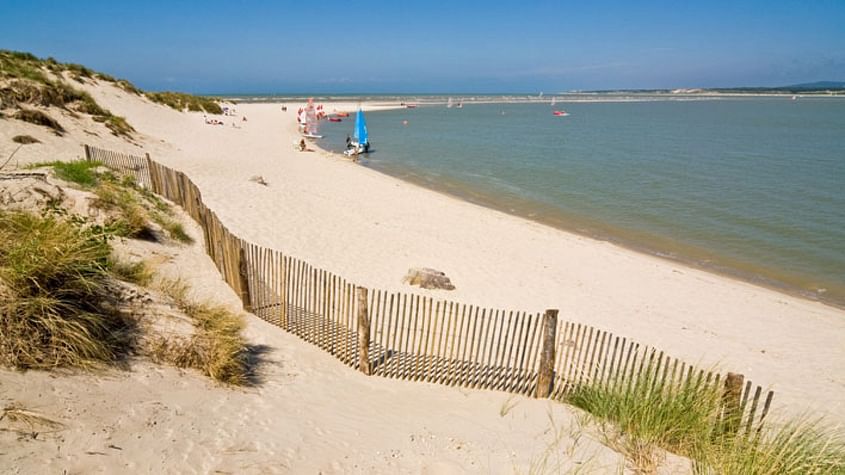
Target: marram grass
point(649, 413)
point(56, 307)
point(216, 348)
point(638, 418)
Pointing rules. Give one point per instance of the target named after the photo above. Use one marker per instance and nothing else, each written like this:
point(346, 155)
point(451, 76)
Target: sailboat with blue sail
point(360, 142)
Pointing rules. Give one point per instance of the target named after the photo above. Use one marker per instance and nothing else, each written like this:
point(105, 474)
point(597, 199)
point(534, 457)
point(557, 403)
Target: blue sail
point(360, 134)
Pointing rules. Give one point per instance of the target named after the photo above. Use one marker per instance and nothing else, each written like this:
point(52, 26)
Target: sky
point(369, 46)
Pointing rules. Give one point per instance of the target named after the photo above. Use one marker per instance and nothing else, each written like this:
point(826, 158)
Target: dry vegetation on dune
point(66, 299)
point(58, 307)
point(216, 348)
point(26, 80)
point(181, 102)
point(137, 212)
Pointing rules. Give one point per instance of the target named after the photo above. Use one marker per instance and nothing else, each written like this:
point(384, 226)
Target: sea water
point(751, 187)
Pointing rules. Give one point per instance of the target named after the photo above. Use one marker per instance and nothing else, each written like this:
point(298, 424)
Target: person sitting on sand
point(302, 145)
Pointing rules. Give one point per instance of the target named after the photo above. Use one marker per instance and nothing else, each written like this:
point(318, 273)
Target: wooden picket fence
point(413, 337)
point(122, 163)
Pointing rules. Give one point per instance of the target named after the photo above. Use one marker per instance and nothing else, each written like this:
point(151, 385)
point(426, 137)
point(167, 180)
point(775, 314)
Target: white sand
point(309, 414)
point(371, 228)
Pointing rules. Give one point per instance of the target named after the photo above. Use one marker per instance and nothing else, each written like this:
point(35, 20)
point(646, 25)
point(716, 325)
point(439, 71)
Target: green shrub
point(81, 172)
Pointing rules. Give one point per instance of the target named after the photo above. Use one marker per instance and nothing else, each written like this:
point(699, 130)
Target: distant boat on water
point(449, 103)
point(560, 113)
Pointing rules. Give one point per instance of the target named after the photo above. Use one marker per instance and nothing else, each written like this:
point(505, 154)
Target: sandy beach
point(371, 228)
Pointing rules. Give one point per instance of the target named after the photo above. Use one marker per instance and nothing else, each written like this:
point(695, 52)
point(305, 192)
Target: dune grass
point(181, 101)
point(640, 418)
point(30, 80)
point(57, 309)
point(648, 414)
point(37, 117)
point(217, 348)
point(25, 139)
point(799, 446)
point(138, 273)
point(136, 208)
point(81, 172)
point(27, 81)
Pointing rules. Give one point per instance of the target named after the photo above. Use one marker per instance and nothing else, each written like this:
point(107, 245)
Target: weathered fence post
point(363, 332)
point(732, 392)
point(545, 375)
point(153, 184)
point(87, 152)
point(243, 280)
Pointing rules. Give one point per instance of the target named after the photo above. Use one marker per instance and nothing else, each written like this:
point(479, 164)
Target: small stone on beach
point(428, 279)
point(259, 179)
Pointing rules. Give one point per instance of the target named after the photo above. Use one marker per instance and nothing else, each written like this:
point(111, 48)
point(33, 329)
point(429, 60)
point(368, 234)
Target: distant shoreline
point(440, 99)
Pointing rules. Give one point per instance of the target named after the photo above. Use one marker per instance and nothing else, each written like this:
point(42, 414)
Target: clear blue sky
point(455, 46)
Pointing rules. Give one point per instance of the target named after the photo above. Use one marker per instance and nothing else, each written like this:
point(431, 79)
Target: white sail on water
point(311, 122)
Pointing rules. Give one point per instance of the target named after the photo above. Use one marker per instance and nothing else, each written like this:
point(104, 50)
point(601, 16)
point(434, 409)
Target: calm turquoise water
point(750, 187)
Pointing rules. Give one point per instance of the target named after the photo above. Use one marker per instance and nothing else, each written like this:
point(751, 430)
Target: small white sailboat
point(449, 104)
point(554, 101)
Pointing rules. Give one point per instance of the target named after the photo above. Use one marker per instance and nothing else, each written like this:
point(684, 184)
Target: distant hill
point(818, 85)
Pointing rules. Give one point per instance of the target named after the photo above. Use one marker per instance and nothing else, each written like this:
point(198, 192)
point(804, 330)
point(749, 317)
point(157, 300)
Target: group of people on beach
point(213, 121)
